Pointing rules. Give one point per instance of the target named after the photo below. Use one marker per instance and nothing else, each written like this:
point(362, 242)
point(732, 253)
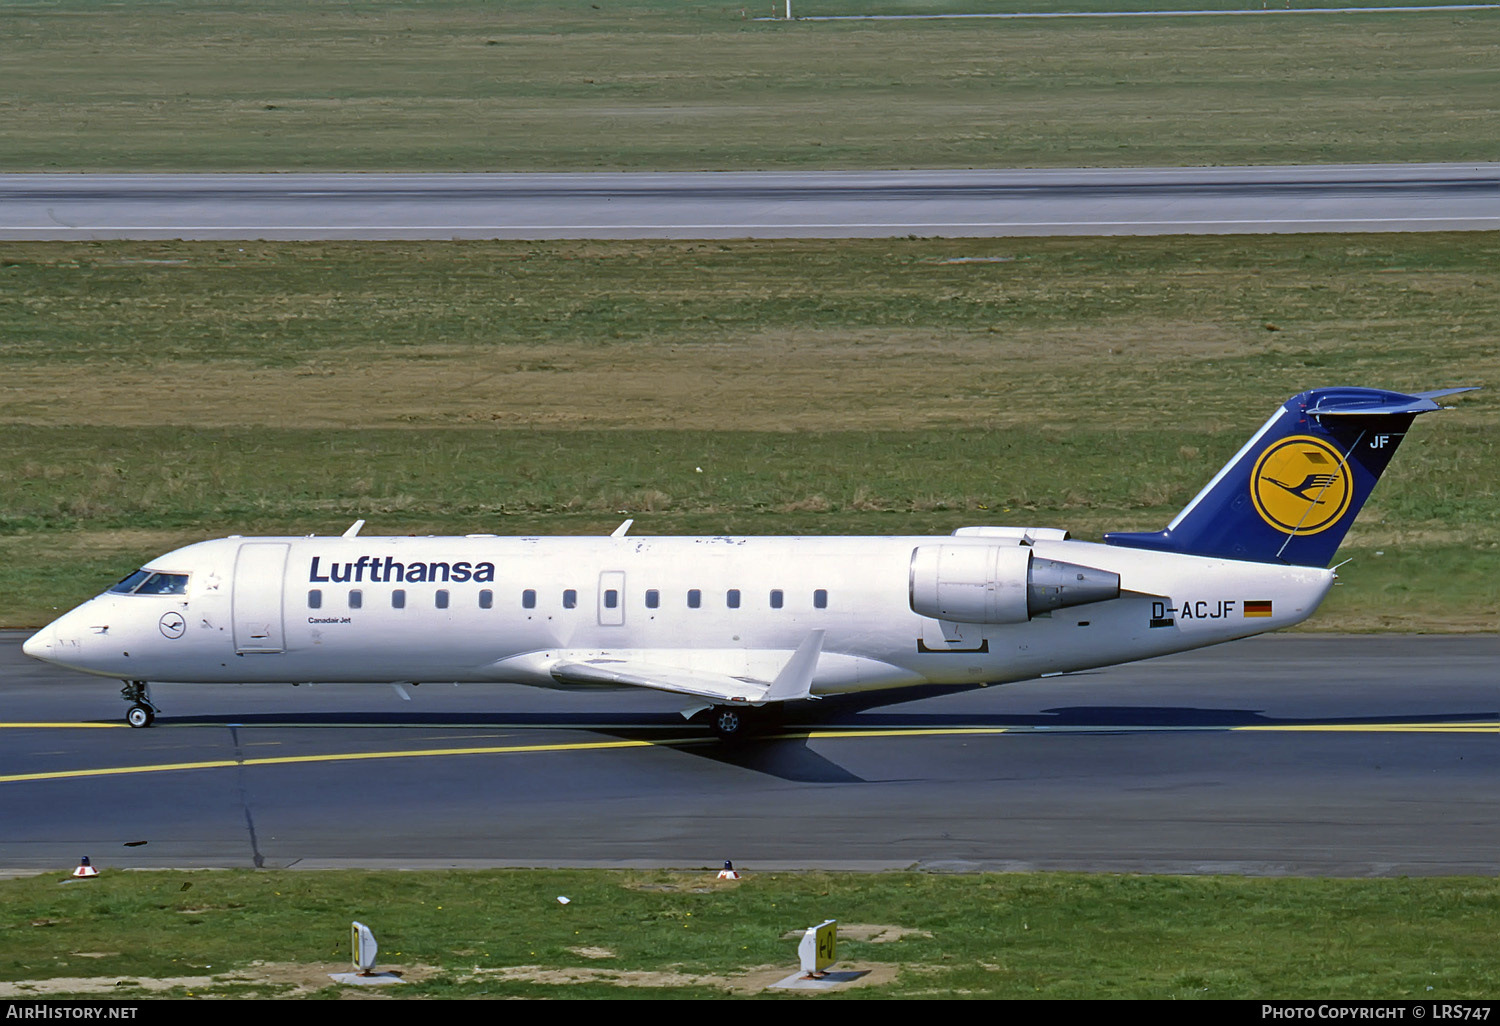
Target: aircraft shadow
point(573, 721)
point(786, 757)
point(778, 754)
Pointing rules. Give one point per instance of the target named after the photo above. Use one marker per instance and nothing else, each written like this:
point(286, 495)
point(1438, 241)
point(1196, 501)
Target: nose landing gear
point(142, 712)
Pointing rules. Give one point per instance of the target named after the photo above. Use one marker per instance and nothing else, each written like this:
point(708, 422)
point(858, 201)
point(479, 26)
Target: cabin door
point(259, 569)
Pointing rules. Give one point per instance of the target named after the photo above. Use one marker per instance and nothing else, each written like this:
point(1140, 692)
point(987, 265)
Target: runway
point(716, 205)
point(1293, 754)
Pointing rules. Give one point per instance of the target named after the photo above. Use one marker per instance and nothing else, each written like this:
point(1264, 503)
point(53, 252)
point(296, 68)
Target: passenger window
point(398, 598)
point(528, 599)
point(315, 599)
point(820, 599)
point(695, 598)
point(733, 598)
point(611, 598)
point(356, 598)
point(442, 598)
point(776, 598)
point(653, 599)
point(570, 599)
point(486, 598)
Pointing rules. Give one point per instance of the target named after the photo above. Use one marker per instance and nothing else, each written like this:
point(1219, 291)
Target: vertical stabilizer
point(1290, 494)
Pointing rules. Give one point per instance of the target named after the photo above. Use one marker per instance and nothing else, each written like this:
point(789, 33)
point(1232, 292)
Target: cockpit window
point(128, 585)
point(164, 584)
point(149, 582)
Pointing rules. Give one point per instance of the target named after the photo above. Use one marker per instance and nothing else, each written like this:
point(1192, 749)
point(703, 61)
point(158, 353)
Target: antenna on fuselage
point(619, 532)
point(354, 529)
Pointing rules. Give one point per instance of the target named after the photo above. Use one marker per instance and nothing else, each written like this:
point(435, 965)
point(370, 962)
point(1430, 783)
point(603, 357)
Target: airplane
point(741, 626)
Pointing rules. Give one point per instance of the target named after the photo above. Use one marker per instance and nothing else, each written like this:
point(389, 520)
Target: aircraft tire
point(729, 723)
point(139, 716)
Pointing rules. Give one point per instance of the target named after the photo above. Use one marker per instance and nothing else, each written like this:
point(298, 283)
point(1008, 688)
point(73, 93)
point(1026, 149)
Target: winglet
point(795, 679)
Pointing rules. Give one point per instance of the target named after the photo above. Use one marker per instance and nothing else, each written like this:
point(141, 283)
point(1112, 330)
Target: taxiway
point(819, 204)
point(1291, 754)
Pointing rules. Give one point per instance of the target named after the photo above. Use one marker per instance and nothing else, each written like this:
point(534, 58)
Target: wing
point(792, 683)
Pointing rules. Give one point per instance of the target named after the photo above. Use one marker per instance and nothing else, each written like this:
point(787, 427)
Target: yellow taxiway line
point(1461, 727)
point(284, 760)
point(82, 726)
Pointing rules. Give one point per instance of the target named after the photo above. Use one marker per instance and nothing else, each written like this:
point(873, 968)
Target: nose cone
point(42, 644)
point(73, 641)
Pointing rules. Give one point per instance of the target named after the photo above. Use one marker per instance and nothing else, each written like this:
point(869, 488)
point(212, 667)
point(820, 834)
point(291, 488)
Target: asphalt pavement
point(816, 204)
point(1291, 754)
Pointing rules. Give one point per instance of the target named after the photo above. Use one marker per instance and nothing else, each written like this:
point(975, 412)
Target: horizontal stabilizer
point(1440, 392)
point(1368, 402)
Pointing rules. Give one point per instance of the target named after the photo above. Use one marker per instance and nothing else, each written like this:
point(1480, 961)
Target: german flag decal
point(1254, 607)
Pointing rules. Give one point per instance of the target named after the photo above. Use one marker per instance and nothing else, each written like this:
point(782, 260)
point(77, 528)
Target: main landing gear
point(731, 723)
point(142, 712)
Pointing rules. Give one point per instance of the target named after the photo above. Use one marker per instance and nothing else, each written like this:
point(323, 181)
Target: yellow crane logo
point(1301, 485)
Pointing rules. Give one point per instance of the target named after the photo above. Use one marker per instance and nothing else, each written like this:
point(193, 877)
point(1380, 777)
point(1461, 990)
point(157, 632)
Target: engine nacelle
point(1000, 583)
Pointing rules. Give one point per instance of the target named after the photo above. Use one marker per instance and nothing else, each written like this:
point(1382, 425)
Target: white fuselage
point(480, 608)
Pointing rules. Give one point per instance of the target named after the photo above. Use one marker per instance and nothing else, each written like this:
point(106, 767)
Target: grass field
point(157, 393)
point(528, 85)
point(504, 934)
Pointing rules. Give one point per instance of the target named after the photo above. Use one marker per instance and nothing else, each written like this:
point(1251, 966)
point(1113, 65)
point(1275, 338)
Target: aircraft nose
point(42, 644)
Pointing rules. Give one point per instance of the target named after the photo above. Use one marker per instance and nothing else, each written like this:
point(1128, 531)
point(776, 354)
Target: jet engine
point(1000, 583)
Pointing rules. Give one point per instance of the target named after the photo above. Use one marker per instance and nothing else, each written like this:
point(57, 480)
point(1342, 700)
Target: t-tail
point(1291, 493)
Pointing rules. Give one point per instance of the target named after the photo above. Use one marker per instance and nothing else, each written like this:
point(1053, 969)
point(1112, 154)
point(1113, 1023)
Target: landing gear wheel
point(727, 722)
point(732, 724)
point(142, 711)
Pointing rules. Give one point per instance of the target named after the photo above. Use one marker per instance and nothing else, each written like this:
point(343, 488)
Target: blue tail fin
point(1291, 493)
